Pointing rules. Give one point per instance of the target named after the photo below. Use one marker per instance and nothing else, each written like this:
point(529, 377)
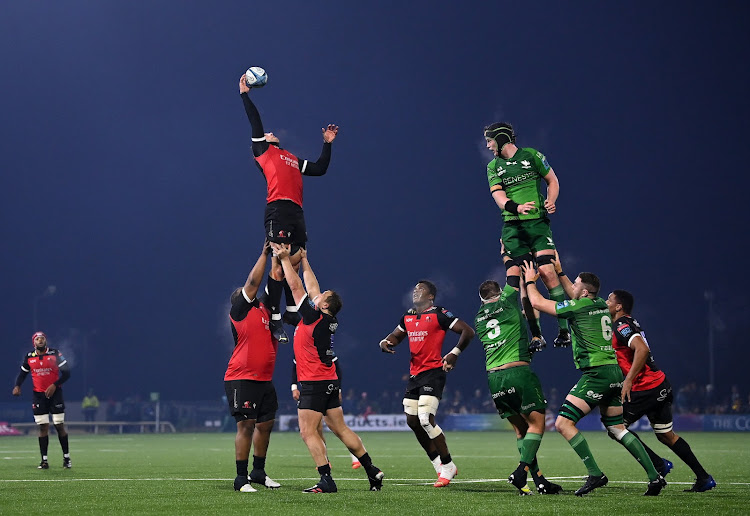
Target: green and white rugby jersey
point(591, 328)
point(501, 329)
point(520, 177)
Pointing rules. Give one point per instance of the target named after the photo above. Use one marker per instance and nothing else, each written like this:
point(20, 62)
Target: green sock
point(581, 447)
point(636, 449)
point(533, 465)
point(529, 447)
point(557, 294)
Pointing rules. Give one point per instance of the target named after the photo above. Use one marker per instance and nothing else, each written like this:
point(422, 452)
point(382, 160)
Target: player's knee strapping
point(545, 259)
point(514, 281)
point(42, 419)
point(411, 407)
point(58, 419)
point(427, 406)
point(664, 428)
point(612, 424)
point(570, 411)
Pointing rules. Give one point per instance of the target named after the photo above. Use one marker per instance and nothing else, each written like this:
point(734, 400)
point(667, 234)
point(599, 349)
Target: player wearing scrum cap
point(49, 370)
point(515, 176)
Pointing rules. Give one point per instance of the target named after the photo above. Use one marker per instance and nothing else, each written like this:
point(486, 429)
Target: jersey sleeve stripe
point(258, 139)
point(24, 369)
point(632, 337)
point(453, 324)
point(301, 301)
point(244, 294)
point(304, 166)
point(496, 188)
point(400, 328)
point(62, 363)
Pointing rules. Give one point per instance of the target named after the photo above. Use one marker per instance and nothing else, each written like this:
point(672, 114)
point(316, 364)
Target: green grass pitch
point(193, 474)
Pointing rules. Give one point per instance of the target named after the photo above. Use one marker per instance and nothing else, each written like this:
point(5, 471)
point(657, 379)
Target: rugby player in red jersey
point(425, 325)
point(284, 217)
point(247, 382)
point(49, 370)
point(646, 390)
point(318, 382)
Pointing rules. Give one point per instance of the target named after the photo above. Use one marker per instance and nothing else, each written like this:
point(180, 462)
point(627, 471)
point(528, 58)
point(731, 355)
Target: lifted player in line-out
point(319, 386)
point(646, 390)
point(425, 324)
point(49, 370)
point(248, 379)
point(284, 217)
point(514, 177)
point(514, 387)
point(601, 378)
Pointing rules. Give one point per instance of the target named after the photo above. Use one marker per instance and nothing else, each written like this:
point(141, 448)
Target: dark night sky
point(127, 180)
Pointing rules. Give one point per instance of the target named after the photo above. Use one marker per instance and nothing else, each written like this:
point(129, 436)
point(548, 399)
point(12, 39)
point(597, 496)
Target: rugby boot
point(447, 473)
point(701, 485)
point(665, 468)
point(43, 465)
point(324, 485)
point(563, 339)
point(260, 477)
point(277, 329)
point(375, 476)
point(66, 463)
point(655, 486)
point(592, 482)
point(537, 344)
point(518, 479)
point(242, 484)
point(545, 487)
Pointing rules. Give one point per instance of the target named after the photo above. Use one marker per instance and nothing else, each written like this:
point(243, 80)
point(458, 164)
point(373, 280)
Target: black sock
point(274, 290)
point(43, 445)
point(445, 459)
point(259, 463)
point(433, 455)
point(655, 459)
point(64, 443)
point(325, 469)
point(365, 460)
point(242, 468)
point(683, 451)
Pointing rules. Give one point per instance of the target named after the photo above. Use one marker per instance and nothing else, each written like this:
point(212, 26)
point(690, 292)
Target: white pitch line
point(392, 481)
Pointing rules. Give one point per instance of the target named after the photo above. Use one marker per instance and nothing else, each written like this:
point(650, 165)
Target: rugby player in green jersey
point(514, 387)
point(601, 378)
point(515, 176)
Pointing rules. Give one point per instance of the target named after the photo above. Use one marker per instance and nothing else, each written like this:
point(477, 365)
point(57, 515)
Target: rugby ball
point(256, 77)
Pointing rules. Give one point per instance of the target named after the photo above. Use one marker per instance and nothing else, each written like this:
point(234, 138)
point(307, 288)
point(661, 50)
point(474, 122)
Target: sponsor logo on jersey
point(594, 395)
point(624, 329)
point(446, 312)
point(333, 327)
point(500, 170)
point(562, 304)
point(526, 164)
point(409, 319)
point(511, 163)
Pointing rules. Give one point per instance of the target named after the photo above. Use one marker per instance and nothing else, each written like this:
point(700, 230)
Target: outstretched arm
point(311, 282)
point(537, 300)
point(256, 274)
point(292, 278)
point(260, 145)
point(318, 168)
point(565, 282)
